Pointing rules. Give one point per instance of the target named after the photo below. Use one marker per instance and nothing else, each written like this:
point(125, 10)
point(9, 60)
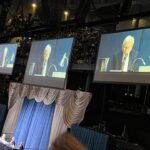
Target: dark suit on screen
point(132, 65)
point(38, 69)
point(49, 69)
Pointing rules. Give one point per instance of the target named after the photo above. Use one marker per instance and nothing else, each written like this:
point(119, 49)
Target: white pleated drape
point(69, 109)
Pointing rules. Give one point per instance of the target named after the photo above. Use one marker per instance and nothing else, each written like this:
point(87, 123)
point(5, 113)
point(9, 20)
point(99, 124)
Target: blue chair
point(91, 139)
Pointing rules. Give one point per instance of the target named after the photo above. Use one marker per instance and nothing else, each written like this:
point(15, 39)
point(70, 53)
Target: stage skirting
point(69, 107)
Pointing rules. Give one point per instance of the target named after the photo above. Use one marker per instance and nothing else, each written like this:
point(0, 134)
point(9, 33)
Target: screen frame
point(14, 58)
point(137, 74)
point(69, 60)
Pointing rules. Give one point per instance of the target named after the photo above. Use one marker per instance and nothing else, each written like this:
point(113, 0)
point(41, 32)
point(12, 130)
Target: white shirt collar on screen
point(44, 68)
point(125, 62)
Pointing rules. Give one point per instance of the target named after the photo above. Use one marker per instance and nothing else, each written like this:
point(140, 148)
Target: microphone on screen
point(136, 60)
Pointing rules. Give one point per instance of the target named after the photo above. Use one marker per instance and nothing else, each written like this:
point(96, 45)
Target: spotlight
point(134, 19)
point(134, 23)
point(34, 5)
point(66, 14)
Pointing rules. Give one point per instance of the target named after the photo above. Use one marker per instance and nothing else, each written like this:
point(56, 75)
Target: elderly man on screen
point(4, 57)
point(43, 67)
point(46, 55)
point(124, 60)
point(6, 60)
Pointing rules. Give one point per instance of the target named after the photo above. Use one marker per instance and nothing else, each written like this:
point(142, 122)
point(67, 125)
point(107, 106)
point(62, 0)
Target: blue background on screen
point(145, 46)
point(12, 49)
point(111, 44)
point(59, 48)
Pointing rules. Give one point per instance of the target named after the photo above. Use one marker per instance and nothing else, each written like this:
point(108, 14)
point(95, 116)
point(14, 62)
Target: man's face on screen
point(127, 47)
point(46, 54)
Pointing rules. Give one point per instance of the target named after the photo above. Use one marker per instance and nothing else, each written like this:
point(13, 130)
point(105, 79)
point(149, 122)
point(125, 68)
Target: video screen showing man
point(7, 61)
point(43, 67)
point(125, 59)
point(51, 58)
point(4, 62)
point(7, 57)
point(48, 62)
point(121, 52)
point(48, 66)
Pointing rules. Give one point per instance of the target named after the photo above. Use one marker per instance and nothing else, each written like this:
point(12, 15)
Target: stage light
point(34, 5)
point(134, 23)
point(134, 19)
point(66, 14)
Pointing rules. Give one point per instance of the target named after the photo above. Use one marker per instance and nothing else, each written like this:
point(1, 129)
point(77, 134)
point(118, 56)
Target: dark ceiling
point(84, 8)
point(80, 11)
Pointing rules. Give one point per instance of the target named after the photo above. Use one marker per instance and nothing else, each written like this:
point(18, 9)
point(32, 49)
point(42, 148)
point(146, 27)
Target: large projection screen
point(124, 57)
point(48, 62)
point(7, 57)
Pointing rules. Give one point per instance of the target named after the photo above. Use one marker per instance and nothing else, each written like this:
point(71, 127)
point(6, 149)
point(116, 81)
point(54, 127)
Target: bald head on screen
point(47, 52)
point(41, 67)
point(127, 44)
point(124, 59)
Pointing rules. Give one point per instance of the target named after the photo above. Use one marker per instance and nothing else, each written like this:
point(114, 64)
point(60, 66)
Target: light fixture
point(34, 5)
point(66, 14)
point(134, 23)
point(134, 19)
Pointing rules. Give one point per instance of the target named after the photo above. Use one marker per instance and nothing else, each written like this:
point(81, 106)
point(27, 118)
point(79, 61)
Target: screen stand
point(138, 89)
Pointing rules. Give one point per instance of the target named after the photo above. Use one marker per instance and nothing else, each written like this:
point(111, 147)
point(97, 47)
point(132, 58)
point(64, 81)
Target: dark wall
point(118, 106)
